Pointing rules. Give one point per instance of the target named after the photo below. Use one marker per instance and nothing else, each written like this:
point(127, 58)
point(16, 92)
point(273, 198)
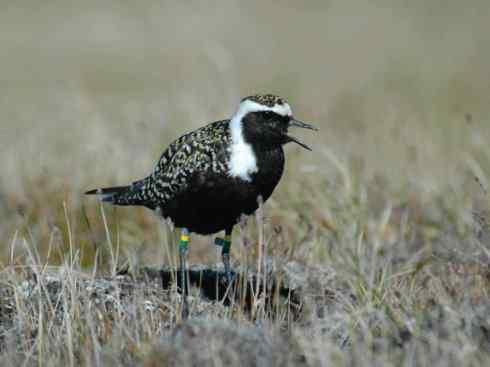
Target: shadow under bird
point(206, 179)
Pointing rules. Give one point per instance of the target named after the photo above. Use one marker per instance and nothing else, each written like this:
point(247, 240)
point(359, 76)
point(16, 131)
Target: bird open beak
point(301, 124)
point(304, 125)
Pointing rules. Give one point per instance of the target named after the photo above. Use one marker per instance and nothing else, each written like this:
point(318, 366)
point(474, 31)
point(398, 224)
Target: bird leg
point(225, 244)
point(183, 249)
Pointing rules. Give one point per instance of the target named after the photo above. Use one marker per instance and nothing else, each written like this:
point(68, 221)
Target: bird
point(208, 178)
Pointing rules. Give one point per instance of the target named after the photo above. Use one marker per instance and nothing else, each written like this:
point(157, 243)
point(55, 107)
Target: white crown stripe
point(248, 106)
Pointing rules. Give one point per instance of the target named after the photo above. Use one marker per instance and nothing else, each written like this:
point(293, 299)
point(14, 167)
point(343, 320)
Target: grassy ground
point(383, 229)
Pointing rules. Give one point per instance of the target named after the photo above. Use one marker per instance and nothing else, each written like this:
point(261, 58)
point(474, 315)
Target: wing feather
point(198, 151)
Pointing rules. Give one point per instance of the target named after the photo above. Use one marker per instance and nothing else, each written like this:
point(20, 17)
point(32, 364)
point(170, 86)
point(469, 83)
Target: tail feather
point(118, 195)
point(134, 194)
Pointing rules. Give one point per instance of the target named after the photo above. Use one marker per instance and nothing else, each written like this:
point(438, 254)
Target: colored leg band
point(184, 240)
point(225, 243)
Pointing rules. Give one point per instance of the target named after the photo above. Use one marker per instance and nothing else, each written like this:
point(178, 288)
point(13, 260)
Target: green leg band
point(184, 239)
point(224, 243)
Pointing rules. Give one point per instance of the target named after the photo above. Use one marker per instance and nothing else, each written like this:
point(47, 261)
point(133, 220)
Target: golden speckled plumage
point(269, 100)
point(199, 150)
point(206, 179)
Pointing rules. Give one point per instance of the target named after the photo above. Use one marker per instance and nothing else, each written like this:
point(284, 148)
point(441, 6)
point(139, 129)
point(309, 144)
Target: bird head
point(264, 120)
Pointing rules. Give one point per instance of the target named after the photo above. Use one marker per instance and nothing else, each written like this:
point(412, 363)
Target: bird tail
point(118, 195)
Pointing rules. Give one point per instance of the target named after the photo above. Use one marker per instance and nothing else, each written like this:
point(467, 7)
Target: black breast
point(215, 202)
point(270, 165)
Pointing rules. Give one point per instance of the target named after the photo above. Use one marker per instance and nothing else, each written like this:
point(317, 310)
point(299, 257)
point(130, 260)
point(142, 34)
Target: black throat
point(265, 132)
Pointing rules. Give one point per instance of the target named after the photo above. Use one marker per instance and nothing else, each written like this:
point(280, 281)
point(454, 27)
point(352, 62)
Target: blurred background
point(92, 92)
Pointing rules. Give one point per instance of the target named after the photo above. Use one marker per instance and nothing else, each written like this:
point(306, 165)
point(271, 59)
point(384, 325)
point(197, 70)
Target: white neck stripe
point(242, 157)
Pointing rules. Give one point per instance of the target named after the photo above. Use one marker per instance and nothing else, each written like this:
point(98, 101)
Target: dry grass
point(383, 230)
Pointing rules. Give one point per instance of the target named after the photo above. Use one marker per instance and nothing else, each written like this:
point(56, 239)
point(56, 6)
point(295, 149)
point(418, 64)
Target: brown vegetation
point(382, 232)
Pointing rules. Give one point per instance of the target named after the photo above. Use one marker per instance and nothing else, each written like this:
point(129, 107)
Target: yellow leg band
point(184, 239)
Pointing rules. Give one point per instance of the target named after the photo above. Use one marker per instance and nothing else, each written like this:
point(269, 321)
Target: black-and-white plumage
point(208, 178)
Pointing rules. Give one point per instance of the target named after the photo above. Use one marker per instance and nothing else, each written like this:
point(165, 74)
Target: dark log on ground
point(243, 289)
